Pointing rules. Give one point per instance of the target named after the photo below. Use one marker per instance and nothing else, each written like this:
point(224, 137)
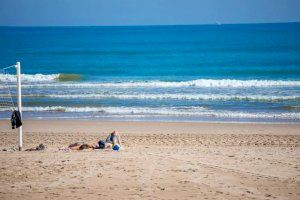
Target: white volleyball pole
point(20, 130)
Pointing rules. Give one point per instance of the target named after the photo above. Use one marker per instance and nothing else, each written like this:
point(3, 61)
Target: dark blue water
point(193, 73)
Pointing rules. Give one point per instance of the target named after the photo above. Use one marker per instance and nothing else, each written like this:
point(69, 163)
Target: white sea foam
point(30, 78)
point(117, 110)
point(206, 83)
point(176, 97)
point(165, 111)
point(166, 96)
point(43, 79)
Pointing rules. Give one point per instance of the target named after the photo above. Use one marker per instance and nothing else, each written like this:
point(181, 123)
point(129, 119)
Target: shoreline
point(157, 121)
point(166, 121)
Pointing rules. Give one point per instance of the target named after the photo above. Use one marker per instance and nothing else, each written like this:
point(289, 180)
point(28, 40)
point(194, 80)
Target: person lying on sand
point(81, 146)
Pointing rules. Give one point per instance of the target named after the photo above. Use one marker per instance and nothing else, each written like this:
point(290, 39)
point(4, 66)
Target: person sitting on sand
point(114, 138)
point(113, 141)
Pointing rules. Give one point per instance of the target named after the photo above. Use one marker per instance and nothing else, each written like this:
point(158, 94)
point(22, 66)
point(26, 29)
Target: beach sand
point(160, 161)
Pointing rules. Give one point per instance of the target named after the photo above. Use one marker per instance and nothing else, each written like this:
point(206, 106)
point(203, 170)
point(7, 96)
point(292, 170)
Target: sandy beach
point(160, 161)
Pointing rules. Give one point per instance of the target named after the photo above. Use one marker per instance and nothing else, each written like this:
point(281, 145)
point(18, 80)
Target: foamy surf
point(116, 110)
point(176, 96)
point(192, 97)
point(205, 83)
point(41, 78)
point(202, 83)
point(164, 111)
point(29, 77)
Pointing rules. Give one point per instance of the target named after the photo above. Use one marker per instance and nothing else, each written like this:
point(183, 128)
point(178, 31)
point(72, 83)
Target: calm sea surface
point(169, 73)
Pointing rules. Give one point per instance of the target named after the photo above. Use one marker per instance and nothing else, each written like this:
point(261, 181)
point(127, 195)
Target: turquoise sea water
point(168, 73)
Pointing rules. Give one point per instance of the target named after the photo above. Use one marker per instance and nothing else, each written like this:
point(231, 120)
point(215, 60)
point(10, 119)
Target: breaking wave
point(29, 77)
point(117, 110)
point(204, 83)
point(41, 78)
point(177, 97)
point(165, 111)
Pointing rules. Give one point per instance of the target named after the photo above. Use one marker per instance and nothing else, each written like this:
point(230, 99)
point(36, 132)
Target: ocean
point(225, 73)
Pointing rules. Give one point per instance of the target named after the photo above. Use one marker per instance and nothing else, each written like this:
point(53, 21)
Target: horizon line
point(208, 24)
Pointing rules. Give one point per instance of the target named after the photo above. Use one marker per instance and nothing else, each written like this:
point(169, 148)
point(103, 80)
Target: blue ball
point(116, 147)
